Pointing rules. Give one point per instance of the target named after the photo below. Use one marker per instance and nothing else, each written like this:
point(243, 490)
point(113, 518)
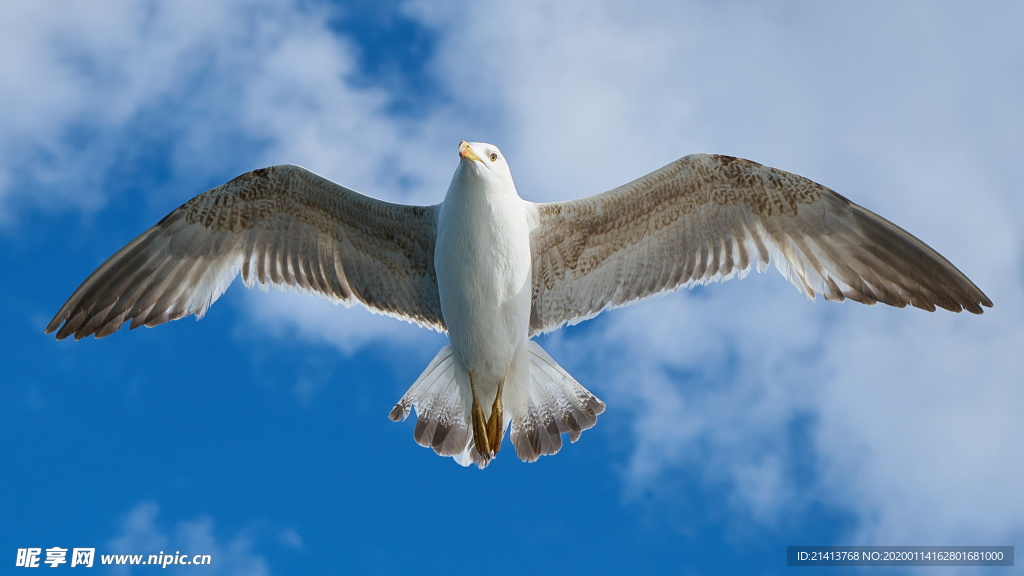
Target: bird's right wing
point(282, 226)
point(707, 217)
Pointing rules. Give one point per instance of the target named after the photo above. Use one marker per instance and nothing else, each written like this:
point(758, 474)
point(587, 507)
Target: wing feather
point(282, 226)
point(708, 218)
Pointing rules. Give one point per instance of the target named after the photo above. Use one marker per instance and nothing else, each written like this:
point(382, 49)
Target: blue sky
point(741, 417)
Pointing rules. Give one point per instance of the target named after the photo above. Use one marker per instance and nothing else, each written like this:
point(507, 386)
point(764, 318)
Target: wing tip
point(976, 307)
point(984, 302)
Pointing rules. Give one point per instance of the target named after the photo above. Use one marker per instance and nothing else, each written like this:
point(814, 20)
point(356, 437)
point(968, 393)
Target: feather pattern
point(440, 409)
point(707, 218)
point(555, 403)
point(283, 226)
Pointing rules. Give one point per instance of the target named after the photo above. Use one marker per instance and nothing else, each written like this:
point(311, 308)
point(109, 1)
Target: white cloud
point(936, 414)
point(77, 76)
point(142, 534)
point(286, 314)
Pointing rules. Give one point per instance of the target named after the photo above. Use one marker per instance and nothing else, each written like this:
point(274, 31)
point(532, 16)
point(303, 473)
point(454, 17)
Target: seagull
point(493, 270)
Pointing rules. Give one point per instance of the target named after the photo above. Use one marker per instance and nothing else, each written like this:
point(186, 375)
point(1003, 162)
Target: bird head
point(485, 159)
point(483, 170)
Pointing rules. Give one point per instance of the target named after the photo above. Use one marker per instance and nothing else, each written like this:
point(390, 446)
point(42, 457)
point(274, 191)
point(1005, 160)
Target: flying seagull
point(493, 270)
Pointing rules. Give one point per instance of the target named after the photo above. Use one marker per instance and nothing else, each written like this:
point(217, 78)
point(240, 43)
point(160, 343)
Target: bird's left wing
point(707, 217)
point(282, 226)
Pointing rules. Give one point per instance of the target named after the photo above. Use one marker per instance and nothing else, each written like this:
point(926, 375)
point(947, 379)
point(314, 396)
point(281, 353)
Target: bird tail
point(441, 418)
point(542, 402)
point(546, 405)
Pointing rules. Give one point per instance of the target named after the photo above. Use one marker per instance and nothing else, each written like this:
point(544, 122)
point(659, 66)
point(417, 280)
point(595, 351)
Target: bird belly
point(483, 264)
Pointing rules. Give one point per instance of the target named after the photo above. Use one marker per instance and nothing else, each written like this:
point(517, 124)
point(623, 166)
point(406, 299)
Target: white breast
point(483, 264)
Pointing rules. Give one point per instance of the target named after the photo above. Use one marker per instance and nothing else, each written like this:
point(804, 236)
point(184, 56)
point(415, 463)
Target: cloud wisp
point(141, 533)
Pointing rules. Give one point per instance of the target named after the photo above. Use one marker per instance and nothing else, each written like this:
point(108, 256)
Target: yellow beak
point(466, 152)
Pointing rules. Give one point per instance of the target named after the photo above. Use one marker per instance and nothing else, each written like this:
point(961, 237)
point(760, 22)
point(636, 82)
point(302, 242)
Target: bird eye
point(493, 157)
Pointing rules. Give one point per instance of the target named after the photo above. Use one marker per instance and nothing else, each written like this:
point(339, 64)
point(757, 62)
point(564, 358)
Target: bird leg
point(479, 423)
point(495, 430)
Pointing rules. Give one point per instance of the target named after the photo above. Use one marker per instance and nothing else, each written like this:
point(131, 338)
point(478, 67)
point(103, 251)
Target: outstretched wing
point(282, 226)
point(707, 217)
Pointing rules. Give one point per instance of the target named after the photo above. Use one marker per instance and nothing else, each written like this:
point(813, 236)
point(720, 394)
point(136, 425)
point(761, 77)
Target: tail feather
point(555, 404)
point(441, 422)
